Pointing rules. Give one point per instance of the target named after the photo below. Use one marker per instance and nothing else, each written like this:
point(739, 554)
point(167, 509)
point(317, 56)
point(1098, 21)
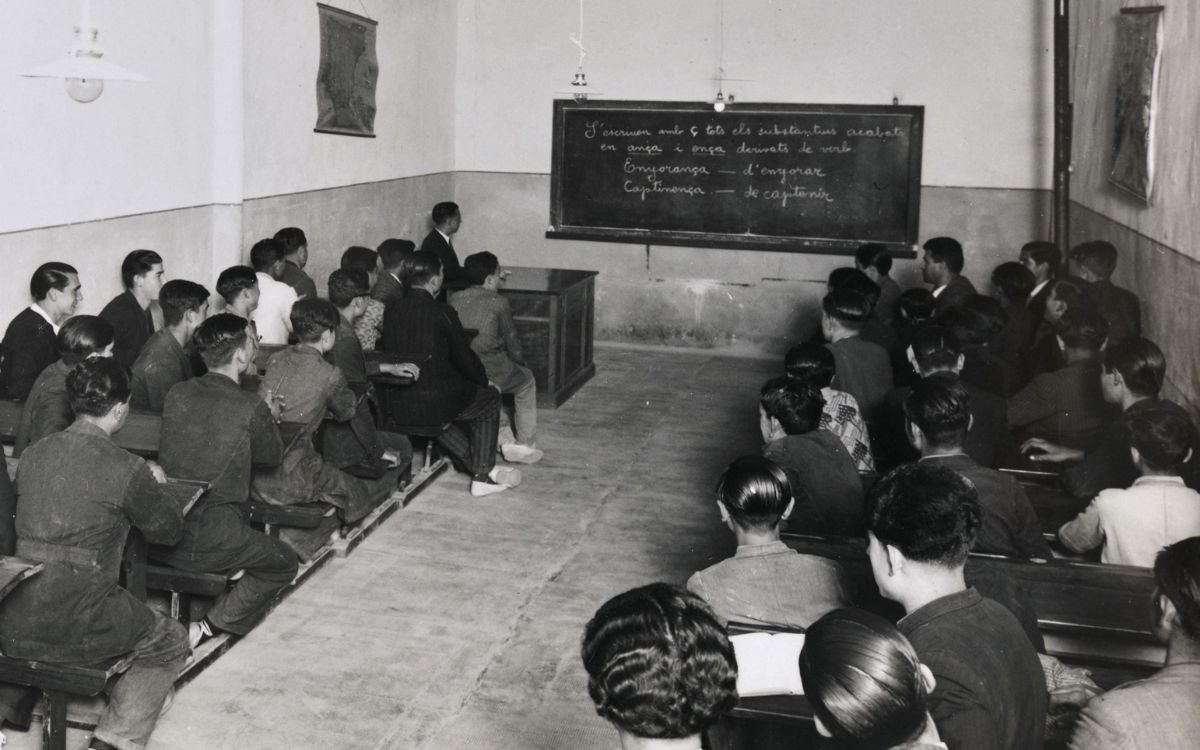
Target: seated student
point(861, 369)
point(311, 390)
point(357, 447)
point(482, 308)
point(813, 364)
point(392, 253)
point(814, 459)
point(1065, 294)
point(1132, 525)
point(79, 496)
point(1067, 406)
point(873, 329)
point(238, 287)
point(1044, 261)
point(369, 325)
point(941, 268)
point(48, 410)
point(164, 360)
point(990, 692)
point(766, 582)
point(914, 311)
point(875, 261)
point(1159, 711)
point(30, 343)
point(1011, 286)
point(447, 218)
point(936, 351)
point(271, 315)
point(866, 686)
point(660, 667)
point(295, 258)
point(129, 312)
point(1094, 263)
point(974, 327)
point(1131, 377)
point(453, 389)
point(237, 431)
point(938, 415)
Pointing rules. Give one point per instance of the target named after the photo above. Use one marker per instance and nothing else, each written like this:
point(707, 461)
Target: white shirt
point(38, 309)
point(273, 315)
point(1036, 289)
point(444, 236)
point(1134, 524)
point(938, 290)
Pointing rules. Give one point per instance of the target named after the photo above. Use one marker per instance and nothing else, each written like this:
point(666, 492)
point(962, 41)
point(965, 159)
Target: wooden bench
point(139, 434)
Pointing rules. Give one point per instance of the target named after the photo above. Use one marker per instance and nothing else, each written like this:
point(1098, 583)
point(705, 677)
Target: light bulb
point(84, 90)
point(719, 102)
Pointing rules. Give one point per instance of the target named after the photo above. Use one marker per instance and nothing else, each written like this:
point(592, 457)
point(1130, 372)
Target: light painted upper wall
point(139, 147)
point(981, 68)
point(415, 46)
point(1172, 219)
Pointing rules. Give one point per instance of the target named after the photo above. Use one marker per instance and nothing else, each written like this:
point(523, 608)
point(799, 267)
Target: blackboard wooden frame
point(682, 237)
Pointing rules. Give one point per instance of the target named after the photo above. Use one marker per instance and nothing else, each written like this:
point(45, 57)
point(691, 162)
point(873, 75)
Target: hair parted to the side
point(393, 251)
point(941, 408)
point(659, 664)
point(874, 255)
point(347, 284)
point(82, 336)
point(928, 512)
point(810, 363)
point(363, 258)
point(796, 405)
point(266, 253)
point(479, 266)
point(848, 307)
point(936, 348)
point(1082, 328)
point(52, 275)
point(863, 680)
point(1014, 280)
point(755, 491)
point(419, 269)
point(443, 212)
point(1141, 364)
point(1177, 575)
point(219, 337)
point(311, 318)
point(1097, 256)
point(1162, 437)
point(916, 305)
point(855, 280)
point(945, 250)
point(233, 280)
point(138, 263)
point(95, 386)
point(292, 239)
point(1043, 252)
point(179, 297)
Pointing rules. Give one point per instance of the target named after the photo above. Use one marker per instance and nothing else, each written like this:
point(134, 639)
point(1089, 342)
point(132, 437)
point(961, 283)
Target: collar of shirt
point(1158, 479)
point(758, 550)
point(938, 290)
point(938, 607)
point(1037, 289)
point(948, 458)
point(38, 309)
point(397, 278)
point(445, 236)
point(85, 427)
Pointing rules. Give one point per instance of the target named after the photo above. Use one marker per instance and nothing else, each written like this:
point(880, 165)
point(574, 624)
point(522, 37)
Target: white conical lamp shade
point(85, 64)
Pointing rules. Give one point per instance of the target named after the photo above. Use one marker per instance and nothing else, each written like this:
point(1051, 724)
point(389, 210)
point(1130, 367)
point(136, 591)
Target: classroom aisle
point(457, 623)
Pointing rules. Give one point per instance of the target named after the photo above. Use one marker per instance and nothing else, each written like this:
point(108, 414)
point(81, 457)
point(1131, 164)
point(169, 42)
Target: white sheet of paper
point(768, 663)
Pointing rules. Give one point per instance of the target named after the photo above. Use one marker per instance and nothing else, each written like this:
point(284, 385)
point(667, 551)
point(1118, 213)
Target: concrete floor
point(457, 623)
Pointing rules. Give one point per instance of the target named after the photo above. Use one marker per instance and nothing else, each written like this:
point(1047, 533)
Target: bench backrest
point(139, 435)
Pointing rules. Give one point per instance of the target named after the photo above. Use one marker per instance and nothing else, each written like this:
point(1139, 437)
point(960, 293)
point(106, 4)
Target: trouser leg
point(525, 407)
point(472, 434)
point(270, 567)
point(138, 695)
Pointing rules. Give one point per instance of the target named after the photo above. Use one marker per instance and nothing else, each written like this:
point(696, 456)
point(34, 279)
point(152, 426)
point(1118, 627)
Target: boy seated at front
point(238, 287)
point(481, 308)
point(309, 388)
point(766, 582)
point(166, 359)
point(863, 369)
point(815, 460)
point(813, 364)
point(1132, 525)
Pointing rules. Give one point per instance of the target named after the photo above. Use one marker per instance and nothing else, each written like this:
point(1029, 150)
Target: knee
point(280, 564)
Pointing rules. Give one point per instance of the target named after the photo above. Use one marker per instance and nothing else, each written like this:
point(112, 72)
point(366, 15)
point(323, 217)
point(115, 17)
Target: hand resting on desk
point(1043, 451)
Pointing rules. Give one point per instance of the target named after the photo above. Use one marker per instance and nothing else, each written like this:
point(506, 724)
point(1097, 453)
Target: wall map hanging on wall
point(347, 74)
point(1138, 55)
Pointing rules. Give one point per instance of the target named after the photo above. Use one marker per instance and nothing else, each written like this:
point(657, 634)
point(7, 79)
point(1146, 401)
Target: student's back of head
point(265, 254)
point(916, 306)
point(480, 266)
point(936, 349)
point(1162, 440)
point(1177, 577)
point(970, 327)
point(419, 269)
point(219, 337)
point(234, 280)
point(849, 308)
point(1140, 363)
point(84, 336)
point(929, 513)
point(1098, 258)
point(796, 406)
point(393, 251)
point(313, 318)
point(346, 285)
point(444, 212)
point(659, 664)
point(854, 280)
point(873, 255)
point(864, 681)
point(179, 297)
point(989, 309)
point(1014, 281)
point(755, 492)
point(363, 258)
point(1082, 329)
point(293, 241)
point(811, 364)
point(1042, 253)
point(95, 386)
point(940, 408)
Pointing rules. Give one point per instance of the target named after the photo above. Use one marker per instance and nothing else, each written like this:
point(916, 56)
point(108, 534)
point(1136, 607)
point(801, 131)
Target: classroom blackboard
point(815, 178)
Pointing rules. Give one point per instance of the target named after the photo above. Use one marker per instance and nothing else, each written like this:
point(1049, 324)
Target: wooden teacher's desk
point(554, 309)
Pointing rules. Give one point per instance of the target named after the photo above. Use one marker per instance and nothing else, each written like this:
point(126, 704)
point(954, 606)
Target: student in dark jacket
point(295, 258)
point(48, 408)
point(1131, 378)
point(938, 415)
point(914, 311)
point(1011, 286)
point(941, 267)
point(447, 218)
point(166, 358)
point(129, 312)
point(392, 253)
point(30, 343)
point(453, 398)
point(862, 369)
point(875, 261)
point(1044, 261)
point(974, 329)
point(814, 459)
point(1045, 355)
point(1094, 262)
point(990, 692)
point(873, 330)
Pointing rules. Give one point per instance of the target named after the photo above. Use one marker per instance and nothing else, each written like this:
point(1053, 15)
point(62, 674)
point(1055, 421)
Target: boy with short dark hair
point(1132, 525)
point(129, 312)
point(392, 253)
point(238, 287)
point(1094, 262)
point(942, 266)
point(31, 340)
point(164, 360)
point(813, 364)
point(295, 258)
point(862, 369)
point(1044, 261)
point(272, 315)
point(875, 261)
point(482, 308)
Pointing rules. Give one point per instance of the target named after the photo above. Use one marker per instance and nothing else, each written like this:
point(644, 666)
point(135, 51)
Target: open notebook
point(768, 663)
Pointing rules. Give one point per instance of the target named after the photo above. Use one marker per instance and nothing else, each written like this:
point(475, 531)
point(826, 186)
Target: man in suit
point(862, 369)
point(129, 312)
point(1159, 711)
point(942, 266)
point(392, 253)
point(1044, 261)
point(1094, 262)
point(447, 218)
point(453, 398)
point(295, 258)
point(31, 341)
